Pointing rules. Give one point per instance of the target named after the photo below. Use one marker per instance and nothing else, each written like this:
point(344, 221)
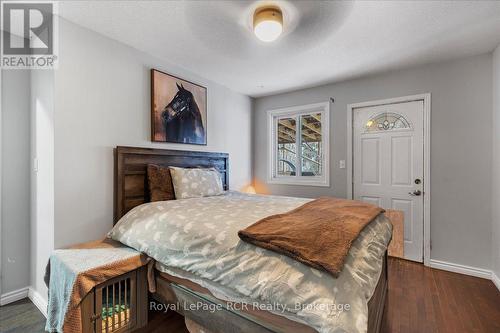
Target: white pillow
point(195, 183)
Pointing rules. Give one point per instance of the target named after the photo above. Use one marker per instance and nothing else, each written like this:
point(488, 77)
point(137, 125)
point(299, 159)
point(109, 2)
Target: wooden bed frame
point(131, 190)
point(131, 183)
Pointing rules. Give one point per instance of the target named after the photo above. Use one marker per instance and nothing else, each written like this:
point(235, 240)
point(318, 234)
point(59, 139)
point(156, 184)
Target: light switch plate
point(342, 164)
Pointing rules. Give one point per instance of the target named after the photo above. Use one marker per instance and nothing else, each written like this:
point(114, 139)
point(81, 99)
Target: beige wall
point(496, 163)
point(102, 99)
point(15, 178)
point(461, 163)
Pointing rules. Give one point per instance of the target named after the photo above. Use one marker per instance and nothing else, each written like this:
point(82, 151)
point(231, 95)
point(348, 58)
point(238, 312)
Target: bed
point(179, 286)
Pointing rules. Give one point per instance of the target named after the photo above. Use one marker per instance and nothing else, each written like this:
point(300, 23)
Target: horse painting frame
point(178, 110)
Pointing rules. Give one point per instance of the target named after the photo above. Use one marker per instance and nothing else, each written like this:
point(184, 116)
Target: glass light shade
point(250, 190)
point(267, 31)
point(268, 23)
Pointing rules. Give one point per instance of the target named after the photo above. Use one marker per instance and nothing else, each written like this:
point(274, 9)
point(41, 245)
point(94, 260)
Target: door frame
point(426, 98)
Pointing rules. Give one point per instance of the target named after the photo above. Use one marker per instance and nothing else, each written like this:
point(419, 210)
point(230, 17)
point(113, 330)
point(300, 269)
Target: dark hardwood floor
point(172, 322)
point(420, 300)
point(21, 317)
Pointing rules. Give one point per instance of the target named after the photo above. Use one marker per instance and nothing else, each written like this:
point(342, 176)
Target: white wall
point(102, 99)
point(15, 177)
point(496, 163)
point(461, 163)
point(42, 180)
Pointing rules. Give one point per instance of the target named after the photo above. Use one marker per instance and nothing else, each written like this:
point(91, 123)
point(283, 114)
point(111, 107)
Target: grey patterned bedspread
point(197, 239)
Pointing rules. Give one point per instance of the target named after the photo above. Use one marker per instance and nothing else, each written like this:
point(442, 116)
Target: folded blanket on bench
point(71, 274)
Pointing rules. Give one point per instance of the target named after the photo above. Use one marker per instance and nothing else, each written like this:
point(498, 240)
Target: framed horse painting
point(178, 110)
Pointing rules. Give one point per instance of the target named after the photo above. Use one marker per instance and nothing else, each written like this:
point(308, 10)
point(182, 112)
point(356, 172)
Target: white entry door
point(388, 150)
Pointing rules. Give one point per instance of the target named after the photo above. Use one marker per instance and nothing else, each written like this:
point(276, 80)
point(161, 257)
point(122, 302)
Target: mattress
point(196, 239)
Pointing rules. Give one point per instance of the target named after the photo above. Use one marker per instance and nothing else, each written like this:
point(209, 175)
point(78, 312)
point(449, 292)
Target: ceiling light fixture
point(268, 23)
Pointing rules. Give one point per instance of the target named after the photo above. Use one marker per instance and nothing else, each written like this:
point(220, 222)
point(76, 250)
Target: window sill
point(319, 183)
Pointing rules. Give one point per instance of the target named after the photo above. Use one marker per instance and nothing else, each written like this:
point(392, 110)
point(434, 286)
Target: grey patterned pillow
point(195, 183)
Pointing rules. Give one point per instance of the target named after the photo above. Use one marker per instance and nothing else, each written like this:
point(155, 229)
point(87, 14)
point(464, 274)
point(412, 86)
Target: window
point(298, 145)
point(387, 121)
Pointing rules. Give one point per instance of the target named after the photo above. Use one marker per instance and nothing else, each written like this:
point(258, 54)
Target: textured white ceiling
point(324, 41)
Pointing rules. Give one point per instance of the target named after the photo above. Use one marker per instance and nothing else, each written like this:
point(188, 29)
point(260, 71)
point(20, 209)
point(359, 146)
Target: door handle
point(415, 193)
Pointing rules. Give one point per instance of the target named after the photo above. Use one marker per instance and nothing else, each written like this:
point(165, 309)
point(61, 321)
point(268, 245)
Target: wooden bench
point(396, 246)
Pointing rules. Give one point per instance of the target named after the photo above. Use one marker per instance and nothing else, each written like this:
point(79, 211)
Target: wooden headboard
point(131, 183)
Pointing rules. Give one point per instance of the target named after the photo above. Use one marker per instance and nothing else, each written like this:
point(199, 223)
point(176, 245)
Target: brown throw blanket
point(318, 233)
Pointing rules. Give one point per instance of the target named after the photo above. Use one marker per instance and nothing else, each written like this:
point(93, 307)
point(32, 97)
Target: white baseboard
point(14, 296)
point(495, 279)
point(38, 300)
point(462, 269)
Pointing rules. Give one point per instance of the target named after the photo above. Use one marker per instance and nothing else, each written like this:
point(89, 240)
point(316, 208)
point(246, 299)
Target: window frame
point(272, 130)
